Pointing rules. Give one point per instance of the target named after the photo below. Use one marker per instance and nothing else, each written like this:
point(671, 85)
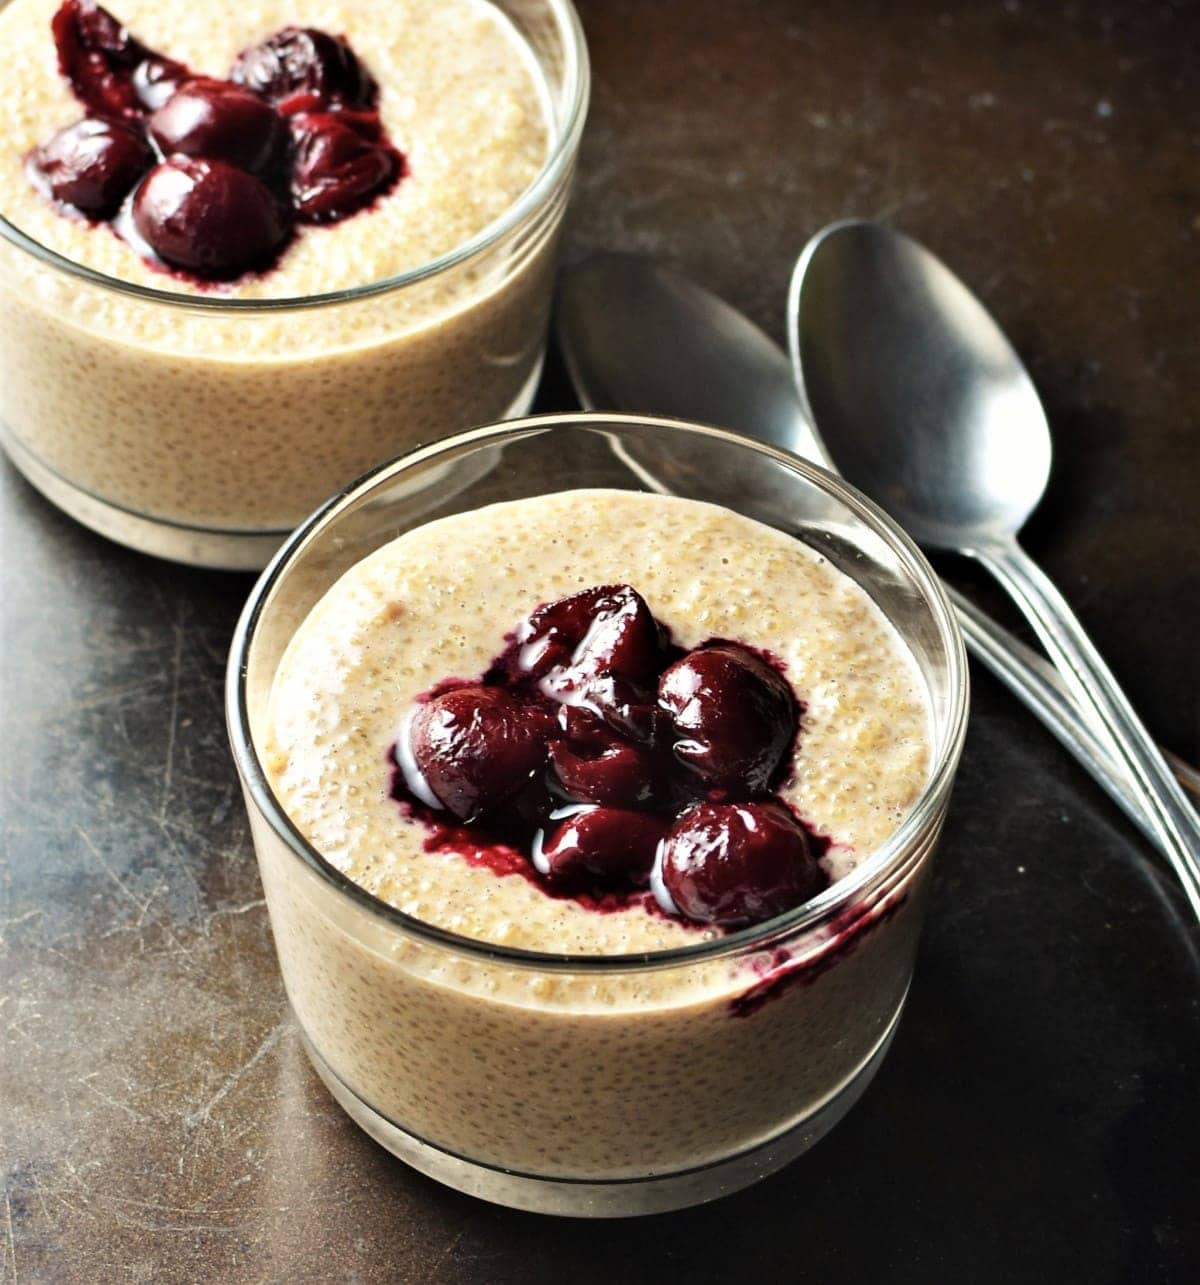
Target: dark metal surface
point(1037, 1118)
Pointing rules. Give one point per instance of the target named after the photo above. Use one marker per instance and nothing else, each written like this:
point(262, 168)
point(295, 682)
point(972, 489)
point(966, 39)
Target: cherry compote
point(733, 716)
point(301, 64)
point(221, 121)
point(213, 174)
point(93, 165)
point(209, 217)
point(737, 863)
point(614, 847)
point(340, 161)
point(616, 762)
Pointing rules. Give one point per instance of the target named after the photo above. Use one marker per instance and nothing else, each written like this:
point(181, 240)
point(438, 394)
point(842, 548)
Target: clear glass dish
point(203, 429)
point(597, 1085)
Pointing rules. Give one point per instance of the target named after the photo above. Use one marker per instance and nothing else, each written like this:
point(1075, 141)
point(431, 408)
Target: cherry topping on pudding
point(477, 747)
point(339, 164)
point(209, 217)
point(220, 121)
point(611, 847)
point(734, 716)
point(737, 863)
point(624, 706)
point(98, 56)
point(94, 164)
point(204, 211)
point(307, 62)
point(605, 629)
point(604, 769)
point(562, 752)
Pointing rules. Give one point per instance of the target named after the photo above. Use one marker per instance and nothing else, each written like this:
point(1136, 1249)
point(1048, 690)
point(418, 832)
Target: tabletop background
point(1037, 1118)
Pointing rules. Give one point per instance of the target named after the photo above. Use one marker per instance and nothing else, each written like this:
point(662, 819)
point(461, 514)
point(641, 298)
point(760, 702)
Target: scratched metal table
point(1037, 1118)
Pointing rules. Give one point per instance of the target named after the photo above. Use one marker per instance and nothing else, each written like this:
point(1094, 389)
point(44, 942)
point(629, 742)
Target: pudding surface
point(437, 602)
point(459, 96)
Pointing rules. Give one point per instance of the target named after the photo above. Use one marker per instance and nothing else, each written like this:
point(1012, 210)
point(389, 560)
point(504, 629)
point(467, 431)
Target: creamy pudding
point(243, 421)
point(564, 1072)
point(437, 603)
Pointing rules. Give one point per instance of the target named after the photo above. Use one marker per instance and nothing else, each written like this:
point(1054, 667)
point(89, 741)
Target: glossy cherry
point(301, 61)
point(738, 863)
point(330, 158)
point(605, 770)
point(624, 706)
point(587, 706)
point(98, 56)
point(340, 164)
point(94, 164)
point(734, 717)
point(478, 747)
point(221, 121)
point(608, 628)
point(209, 217)
point(609, 847)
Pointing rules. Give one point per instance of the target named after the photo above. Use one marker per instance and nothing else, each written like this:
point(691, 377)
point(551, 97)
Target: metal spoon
point(923, 403)
point(638, 337)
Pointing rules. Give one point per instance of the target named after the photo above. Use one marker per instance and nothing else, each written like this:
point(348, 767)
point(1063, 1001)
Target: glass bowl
point(598, 1085)
point(203, 429)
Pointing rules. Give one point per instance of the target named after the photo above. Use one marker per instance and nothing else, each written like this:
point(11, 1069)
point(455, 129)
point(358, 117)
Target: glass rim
point(889, 858)
point(577, 77)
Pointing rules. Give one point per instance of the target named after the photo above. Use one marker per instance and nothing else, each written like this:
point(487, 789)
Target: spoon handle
point(1100, 695)
point(1039, 686)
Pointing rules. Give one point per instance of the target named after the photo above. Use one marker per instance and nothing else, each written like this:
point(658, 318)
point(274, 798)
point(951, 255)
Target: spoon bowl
point(923, 404)
point(918, 394)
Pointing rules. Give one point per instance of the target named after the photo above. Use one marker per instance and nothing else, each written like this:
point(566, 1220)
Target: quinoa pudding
point(242, 418)
point(562, 1073)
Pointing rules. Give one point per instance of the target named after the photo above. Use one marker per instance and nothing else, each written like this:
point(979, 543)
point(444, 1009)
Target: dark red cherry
point(156, 78)
point(304, 61)
point(738, 863)
point(605, 770)
point(548, 636)
point(221, 121)
point(98, 56)
point(477, 747)
point(626, 707)
point(209, 217)
point(607, 628)
point(94, 164)
point(734, 716)
point(606, 846)
point(339, 164)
